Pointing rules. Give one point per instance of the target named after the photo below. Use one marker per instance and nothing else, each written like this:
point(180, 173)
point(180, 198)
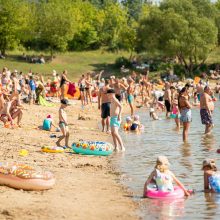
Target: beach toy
point(21, 176)
point(48, 149)
point(153, 193)
point(23, 152)
point(126, 127)
point(92, 148)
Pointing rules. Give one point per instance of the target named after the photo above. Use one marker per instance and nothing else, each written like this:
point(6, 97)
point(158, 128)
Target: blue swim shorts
point(114, 122)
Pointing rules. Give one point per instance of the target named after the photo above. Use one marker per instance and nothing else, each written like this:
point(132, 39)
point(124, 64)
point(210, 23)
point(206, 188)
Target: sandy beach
point(86, 186)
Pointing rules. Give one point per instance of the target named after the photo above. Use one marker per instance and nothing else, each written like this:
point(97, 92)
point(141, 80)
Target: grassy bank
point(76, 63)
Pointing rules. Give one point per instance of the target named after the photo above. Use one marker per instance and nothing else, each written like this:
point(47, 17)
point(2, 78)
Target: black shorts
point(105, 109)
point(82, 89)
point(118, 97)
point(168, 106)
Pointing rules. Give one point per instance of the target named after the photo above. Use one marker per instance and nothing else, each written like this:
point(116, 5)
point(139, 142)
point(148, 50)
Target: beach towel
point(72, 89)
point(42, 101)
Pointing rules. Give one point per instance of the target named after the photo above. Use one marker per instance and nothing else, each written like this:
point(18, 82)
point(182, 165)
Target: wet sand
point(86, 187)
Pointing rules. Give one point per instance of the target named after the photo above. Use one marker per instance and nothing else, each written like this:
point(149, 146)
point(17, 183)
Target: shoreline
point(86, 186)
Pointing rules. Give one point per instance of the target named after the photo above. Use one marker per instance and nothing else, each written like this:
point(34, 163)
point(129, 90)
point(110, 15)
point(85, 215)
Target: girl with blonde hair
point(163, 178)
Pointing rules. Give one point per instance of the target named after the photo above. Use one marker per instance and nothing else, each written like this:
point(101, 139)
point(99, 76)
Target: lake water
point(160, 138)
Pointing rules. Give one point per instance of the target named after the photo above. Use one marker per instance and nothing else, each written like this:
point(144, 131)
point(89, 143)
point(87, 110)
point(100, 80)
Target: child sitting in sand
point(128, 123)
point(211, 176)
point(63, 123)
point(163, 178)
point(136, 125)
point(48, 124)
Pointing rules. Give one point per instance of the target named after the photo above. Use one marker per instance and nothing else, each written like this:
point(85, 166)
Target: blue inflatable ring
point(92, 148)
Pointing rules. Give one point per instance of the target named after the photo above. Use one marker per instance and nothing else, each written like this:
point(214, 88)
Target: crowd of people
point(136, 91)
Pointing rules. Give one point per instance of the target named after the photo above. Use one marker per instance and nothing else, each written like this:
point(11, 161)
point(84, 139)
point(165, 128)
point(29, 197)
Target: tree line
point(186, 29)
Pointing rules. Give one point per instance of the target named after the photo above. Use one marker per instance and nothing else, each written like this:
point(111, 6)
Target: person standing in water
point(205, 110)
point(115, 121)
point(104, 104)
point(167, 98)
point(199, 89)
point(185, 112)
point(130, 92)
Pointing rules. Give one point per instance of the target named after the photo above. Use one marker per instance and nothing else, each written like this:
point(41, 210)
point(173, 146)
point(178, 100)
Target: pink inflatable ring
point(153, 193)
point(20, 176)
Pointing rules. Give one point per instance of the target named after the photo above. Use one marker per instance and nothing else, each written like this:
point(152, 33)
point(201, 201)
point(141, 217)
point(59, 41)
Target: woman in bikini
point(82, 85)
point(88, 84)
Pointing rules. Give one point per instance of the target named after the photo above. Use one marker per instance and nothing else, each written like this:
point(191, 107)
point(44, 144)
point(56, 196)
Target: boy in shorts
point(63, 123)
point(115, 120)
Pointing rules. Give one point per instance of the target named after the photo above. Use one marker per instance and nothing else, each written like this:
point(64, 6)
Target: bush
point(178, 70)
point(119, 62)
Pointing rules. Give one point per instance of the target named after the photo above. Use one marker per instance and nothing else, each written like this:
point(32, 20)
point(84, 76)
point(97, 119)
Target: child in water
point(136, 125)
point(211, 176)
point(163, 177)
point(152, 112)
point(176, 113)
point(128, 123)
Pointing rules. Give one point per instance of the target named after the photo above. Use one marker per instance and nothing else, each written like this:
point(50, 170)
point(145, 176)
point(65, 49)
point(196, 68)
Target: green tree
point(89, 21)
point(14, 17)
point(115, 22)
point(56, 23)
point(178, 29)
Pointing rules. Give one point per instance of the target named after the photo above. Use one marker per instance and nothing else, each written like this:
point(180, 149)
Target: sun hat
point(128, 118)
point(163, 160)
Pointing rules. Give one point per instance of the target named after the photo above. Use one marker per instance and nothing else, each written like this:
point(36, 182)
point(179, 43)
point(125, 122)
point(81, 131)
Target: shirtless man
point(104, 104)
point(63, 123)
point(167, 98)
point(199, 89)
point(115, 121)
point(130, 92)
point(118, 87)
point(205, 110)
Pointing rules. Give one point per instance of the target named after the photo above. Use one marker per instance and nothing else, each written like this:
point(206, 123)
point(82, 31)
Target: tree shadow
point(109, 70)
